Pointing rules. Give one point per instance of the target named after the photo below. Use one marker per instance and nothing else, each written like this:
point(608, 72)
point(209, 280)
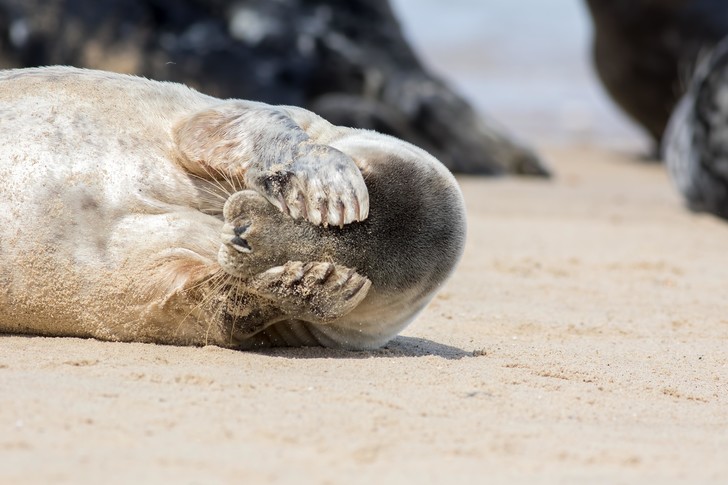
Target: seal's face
point(276, 268)
point(257, 236)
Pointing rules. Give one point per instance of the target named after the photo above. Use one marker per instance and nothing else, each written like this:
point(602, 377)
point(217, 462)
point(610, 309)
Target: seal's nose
point(233, 236)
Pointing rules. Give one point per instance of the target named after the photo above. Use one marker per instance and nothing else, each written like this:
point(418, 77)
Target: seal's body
point(136, 210)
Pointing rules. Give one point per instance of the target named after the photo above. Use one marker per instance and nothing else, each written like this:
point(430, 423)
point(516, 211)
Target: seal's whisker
point(211, 184)
point(224, 287)
point(238, 299)
point(227, 176)
point(212, 206)
point(217, 274)
point(228, 300)
point(220, 175)
point(215, 196)
point(236, 182)
point(208, 185)
point(210, 280)
point(216, 176)
point(213, 289)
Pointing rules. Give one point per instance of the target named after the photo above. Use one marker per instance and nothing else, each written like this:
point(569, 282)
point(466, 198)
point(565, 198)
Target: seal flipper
point(263, 250)
point(315, 292)
point(263, 148)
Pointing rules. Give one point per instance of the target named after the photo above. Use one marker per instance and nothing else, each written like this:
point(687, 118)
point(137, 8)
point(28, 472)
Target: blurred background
point(525, 63)
point(524, 66)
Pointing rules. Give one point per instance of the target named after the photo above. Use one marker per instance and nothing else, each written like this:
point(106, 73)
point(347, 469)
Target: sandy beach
point(583, 338)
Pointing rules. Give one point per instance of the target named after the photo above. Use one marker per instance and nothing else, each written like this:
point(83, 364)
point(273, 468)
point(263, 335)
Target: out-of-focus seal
point(135, 210)
point(645, 50)
point(350, 62)
point(696, 141)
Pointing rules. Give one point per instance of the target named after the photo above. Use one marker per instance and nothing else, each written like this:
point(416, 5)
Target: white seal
point(135, 210)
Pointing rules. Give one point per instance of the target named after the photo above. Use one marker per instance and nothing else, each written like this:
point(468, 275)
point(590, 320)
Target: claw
point(359, 286)
point(342, 215)
point(357, 209)
point(283, 206)
point(318, 273)
point(324, 210)
point(316, 291)
point(302, 205)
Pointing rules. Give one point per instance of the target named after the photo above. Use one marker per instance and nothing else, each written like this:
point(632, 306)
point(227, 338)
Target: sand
point(584, 338)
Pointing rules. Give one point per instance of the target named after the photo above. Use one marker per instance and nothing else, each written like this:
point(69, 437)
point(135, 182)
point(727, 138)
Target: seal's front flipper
point(315, 292)
point(264, 149)
point(319, 184)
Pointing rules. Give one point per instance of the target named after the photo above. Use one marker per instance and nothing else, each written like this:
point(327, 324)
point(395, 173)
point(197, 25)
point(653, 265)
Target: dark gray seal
point(696, 141)
point(645, 50)
point(347, 61)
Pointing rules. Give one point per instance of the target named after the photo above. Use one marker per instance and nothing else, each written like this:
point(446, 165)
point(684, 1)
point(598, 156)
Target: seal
point(645, 50)
point(695, 146)
point(137, 210)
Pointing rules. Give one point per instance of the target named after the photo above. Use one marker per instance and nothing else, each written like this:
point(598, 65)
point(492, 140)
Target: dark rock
point(645, 50)
point(348, 61)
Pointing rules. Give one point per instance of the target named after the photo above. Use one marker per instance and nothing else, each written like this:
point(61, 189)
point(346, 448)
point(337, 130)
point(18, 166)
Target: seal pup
point(349, 62)
point(645, 50)
point(696, 141)
point(137, 210)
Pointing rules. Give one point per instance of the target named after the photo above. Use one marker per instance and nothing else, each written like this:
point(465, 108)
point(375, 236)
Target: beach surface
point(583, 338)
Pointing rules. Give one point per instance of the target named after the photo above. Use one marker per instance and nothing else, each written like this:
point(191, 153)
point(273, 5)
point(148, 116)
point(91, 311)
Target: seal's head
point(407, 247)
